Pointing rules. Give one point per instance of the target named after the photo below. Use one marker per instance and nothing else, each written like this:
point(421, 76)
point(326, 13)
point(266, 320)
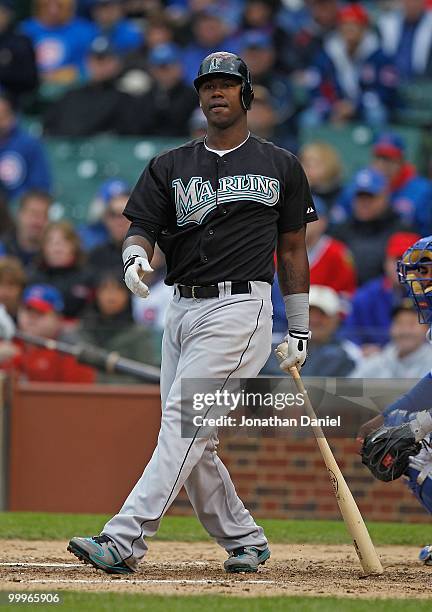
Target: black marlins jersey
point(217, 218)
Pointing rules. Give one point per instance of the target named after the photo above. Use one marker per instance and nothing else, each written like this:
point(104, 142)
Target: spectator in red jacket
point(331, 263)
point(40, 314)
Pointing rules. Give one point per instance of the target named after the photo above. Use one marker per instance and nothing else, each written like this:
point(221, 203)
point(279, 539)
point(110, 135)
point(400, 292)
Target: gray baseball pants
point(218, 338)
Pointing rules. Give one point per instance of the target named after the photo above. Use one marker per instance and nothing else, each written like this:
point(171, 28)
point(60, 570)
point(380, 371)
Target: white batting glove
point(135, 270)
point(293, 350)
point(7, 325)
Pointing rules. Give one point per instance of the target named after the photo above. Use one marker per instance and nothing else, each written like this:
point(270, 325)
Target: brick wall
point(286, 478)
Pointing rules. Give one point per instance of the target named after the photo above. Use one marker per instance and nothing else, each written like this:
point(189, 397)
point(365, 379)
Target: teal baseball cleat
point(426, 555)
point(246, 559)
point(101, 552)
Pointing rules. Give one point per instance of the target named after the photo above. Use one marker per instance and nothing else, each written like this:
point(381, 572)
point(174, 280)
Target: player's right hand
point(134, 273)
point(293, 350)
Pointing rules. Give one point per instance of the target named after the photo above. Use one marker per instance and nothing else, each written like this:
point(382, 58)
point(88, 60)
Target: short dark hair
point(38, 194)
point(12, 270)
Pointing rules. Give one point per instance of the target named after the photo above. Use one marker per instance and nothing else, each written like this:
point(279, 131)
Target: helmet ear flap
point(247, 95)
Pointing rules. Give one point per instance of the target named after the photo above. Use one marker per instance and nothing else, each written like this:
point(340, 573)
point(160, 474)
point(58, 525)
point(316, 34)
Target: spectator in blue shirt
point(407, 38)
point(23, 161)
point(60, 39)
point(109, 21)
point(410, 194)
point(351, 78)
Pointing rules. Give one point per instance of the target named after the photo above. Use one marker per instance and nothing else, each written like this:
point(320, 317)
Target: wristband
point(134, 250)
point(297, 311)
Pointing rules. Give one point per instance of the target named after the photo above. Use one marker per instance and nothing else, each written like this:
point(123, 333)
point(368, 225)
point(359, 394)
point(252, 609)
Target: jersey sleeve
point(297, 206)
point(415, 400)
point(148, 205)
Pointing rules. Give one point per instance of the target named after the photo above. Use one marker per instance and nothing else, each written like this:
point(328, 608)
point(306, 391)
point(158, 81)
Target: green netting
point(354, 143)
point(81, 165)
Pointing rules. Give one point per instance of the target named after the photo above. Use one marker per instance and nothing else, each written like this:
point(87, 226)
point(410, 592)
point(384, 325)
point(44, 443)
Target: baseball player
point(217, 207)
point(402, 444)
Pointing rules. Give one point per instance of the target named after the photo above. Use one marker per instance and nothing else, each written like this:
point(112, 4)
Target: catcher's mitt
point(386, 451)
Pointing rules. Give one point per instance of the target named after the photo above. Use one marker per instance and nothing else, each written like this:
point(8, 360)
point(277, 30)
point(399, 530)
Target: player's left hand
point(293, 350)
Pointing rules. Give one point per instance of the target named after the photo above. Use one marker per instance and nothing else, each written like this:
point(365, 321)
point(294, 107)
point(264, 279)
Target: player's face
point(322, 325)
point(115, 221)
point(32, 219)
point(422, 274)
point(369, 206)
point(352, 33)
point(406, 332)
point(387, 166)
point(418, 276)
point(58, 251)
point(44, 324)
point(112, 298)
point(220, 100)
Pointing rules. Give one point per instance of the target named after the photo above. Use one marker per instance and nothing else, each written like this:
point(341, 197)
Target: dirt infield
point(184, 568)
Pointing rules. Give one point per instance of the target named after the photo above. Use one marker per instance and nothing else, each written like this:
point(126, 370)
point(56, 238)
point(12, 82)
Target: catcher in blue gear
point(398, 442)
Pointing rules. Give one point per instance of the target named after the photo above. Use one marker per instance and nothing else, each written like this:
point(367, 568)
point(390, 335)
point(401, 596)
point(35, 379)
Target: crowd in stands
point(126, 68)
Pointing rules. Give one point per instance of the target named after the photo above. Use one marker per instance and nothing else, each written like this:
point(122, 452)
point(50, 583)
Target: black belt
point(212, 291)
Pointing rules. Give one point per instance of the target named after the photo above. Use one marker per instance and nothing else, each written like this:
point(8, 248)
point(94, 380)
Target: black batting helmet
point(223, 62)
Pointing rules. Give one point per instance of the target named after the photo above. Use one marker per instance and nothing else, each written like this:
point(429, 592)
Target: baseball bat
point(96, 357)
point(350, 513)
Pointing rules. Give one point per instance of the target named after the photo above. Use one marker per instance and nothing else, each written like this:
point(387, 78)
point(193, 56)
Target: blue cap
point(112, 188)
point(255, 39)
point(101, 45)
point(370, 181)
point(164, 54)
point(43, 298)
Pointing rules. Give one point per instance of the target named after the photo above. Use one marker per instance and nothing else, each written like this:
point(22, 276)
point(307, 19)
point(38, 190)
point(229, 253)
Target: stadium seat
point(354, 142)
point(81, 165)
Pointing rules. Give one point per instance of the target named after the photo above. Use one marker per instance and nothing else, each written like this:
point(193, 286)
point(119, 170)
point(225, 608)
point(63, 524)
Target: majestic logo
point(195, 201)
